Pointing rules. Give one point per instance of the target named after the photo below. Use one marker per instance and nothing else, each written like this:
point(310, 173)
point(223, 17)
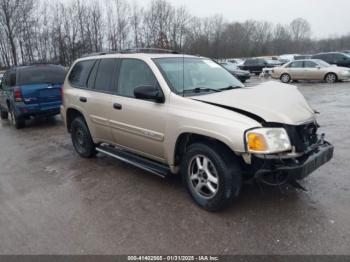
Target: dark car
point(334, 58)
point(31, 91)
point(242, 75)
point(256, 65)
point(302, 57)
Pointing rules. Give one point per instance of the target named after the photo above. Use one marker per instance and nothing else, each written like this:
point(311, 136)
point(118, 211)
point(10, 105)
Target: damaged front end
point(309, 152)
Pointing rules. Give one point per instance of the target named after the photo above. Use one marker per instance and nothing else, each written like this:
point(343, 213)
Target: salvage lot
point(54, 202)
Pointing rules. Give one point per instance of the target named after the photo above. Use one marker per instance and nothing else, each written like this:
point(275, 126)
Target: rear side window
point(41, 75)
point(134, 73)
point(105, 75)
point(80, 72)
point(92, 76)
point(12, 78)
point(297, 64)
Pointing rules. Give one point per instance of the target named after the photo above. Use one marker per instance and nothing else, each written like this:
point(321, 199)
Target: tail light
point(62, 94)
point(17, 94)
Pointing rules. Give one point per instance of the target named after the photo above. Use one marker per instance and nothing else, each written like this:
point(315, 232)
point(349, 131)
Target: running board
point(135, 160)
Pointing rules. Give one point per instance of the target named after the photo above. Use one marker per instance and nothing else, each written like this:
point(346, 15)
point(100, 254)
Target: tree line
point(42, 31)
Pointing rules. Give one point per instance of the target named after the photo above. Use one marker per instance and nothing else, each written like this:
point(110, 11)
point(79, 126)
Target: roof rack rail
point(134, 51)
point(149, 51)
point(94, 54)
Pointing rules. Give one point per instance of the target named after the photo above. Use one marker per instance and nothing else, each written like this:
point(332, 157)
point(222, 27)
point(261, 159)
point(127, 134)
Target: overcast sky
point(327, 18)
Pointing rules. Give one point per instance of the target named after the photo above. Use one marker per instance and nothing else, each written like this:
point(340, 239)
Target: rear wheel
point(285, 78)
point(331, 78)
point(4, 114)
point(17, 121)
point(212, 178)
point(81, 138)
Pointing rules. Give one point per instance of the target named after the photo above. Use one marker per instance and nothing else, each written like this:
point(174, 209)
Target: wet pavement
point(54, 202)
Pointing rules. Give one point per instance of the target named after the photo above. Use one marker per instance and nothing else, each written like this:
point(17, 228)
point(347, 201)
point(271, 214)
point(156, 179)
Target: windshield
point(41, 75)
point(322, 63)
point(187, 74)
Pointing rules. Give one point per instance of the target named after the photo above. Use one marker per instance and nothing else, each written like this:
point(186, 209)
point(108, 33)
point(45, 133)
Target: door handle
point(83, 99)
point(117, 106)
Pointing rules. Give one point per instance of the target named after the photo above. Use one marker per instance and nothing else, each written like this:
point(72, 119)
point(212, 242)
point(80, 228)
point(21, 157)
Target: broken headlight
point(267, 140)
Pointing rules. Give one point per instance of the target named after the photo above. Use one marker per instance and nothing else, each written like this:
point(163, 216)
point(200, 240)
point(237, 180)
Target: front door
point(312, 72)
point(138, 125)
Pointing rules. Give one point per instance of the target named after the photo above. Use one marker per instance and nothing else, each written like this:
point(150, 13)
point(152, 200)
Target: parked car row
point(256, 65)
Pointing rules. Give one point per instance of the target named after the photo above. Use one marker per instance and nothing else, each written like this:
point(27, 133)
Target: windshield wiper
point(202, 89)
point(229, 88)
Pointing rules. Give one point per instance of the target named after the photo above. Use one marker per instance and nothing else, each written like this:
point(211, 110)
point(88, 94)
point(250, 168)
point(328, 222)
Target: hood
point(269, 102)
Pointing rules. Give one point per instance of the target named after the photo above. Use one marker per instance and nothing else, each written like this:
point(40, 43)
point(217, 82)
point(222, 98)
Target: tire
point(17, 121)
point(331, 78)
point(4, 114)
point(285, 78)
point(81, 138)
point(224, 177)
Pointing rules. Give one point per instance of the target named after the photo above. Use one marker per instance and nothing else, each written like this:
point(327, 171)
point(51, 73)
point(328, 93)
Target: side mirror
point(318, 67)
point(149, 93)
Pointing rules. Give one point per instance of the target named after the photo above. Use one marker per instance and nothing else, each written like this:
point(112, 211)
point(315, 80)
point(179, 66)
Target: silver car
point(310, 69)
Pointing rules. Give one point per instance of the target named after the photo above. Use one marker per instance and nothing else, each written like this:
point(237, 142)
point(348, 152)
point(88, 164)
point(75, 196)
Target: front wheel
point(81, 138)
point(285, 78)
point(212, 178)
point(331, 78)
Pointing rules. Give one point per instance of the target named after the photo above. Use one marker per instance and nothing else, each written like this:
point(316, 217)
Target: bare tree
point(10, 12)
point(300, 29)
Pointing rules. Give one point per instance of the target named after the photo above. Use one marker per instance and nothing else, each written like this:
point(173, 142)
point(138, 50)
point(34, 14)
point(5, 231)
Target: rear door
point(96, 98)
point(296, 70)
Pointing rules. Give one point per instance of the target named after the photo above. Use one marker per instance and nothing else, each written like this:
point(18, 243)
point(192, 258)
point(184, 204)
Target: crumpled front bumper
point(298, 168)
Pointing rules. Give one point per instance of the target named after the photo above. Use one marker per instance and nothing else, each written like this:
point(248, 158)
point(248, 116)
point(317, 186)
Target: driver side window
point(134, 73)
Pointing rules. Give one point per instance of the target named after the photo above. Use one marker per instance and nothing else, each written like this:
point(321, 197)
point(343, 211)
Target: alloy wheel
point(331, 78)
point(204, 177)
point(285, 78)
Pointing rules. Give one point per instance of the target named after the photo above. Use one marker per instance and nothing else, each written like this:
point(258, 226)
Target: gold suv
point(170, 113)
